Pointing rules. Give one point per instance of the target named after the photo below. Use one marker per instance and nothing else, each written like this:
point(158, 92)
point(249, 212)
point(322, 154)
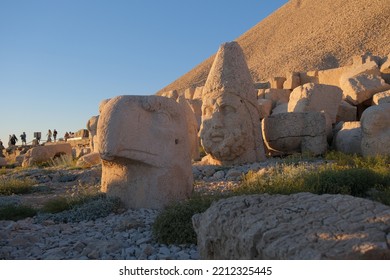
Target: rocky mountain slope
point(306, 35)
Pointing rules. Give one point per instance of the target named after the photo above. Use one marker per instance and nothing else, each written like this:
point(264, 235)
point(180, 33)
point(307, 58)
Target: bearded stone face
point(226, 126)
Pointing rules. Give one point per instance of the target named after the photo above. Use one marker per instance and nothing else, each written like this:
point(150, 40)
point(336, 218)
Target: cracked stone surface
point(299, 226)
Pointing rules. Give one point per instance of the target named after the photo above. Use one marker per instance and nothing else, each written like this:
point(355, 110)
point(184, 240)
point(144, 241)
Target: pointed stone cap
point(230, 74)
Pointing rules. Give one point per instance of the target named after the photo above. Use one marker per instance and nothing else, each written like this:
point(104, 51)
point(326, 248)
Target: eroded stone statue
point(231, 131)
point(144, 146)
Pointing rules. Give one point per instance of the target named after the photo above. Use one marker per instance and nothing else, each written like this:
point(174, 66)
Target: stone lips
point(319, 34)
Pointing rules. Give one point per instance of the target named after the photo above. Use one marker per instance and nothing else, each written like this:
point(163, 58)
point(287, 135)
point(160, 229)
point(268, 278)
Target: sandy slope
point(307, 35)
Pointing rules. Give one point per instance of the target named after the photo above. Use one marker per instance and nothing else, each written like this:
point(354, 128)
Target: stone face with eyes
point(144, 145)
point(231, 130)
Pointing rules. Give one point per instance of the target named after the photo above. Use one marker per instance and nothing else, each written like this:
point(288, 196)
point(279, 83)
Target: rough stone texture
point(301, 226)
point(292, 81)
point(265, 107)
point(145, 150)
point(348, 138)
point(316, 98)
point(173, 94)
point(385, 69)
point(41, 154)
point(189, 93)
point(375, 123)
point(192, 127)
point(92, 128)
point(346, 112)
point(276, 82)
point(287, 133)
point(196, 106)
point(331, 76)
point(282, 108)
point(361, 82)
point(381, 97)
point(198, 93)
point(89, 160)
point(277, 96)
point(319, 34)
point(230, 131)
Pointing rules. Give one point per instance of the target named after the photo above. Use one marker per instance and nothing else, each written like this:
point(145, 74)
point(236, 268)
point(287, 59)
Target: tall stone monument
point(231, 130)
point(145, 150)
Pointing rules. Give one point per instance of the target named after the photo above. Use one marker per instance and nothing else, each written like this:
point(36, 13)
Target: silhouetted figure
point(23, 137)
point(55, 135)
point(49, 134)
point(13, 140)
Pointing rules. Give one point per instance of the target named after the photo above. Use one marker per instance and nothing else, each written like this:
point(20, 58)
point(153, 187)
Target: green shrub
point(16, 212)
point(16, 186)
point(174, 224)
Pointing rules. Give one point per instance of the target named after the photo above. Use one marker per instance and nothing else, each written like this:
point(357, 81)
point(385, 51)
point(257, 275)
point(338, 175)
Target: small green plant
point(16, 212)
point(174, 224)
point(16, 186)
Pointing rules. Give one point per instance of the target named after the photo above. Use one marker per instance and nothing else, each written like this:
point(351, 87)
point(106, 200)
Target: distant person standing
point(23, 137)
point(55, 135)
point(1, 146)
point(49, 135)
point(66, 136)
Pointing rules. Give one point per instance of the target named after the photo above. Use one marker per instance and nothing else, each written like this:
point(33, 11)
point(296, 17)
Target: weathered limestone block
point(346, 112)
point(300, 226)
point(198, 93)
point(348, 137)
point(360, 83)
point(196, 106)
point(331, 76)
point(308, 77)
point(381, 97)
point(189, 93)
point(288, 133)
point(42, 154)
point(316, 98)
point(144, 145)
point(92, 129)
point(375, 123)
point(173, 94)
point(192, 127)
point(385, 69)
point(89, 160)
point(277, 96)
point(292, 80)
point(265, 107)
point(276, 82)
point(230, 131)
point(282, 108)
point(262, 85)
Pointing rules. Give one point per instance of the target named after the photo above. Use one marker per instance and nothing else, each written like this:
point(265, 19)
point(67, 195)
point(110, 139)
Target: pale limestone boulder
point(276, 82)
point(348, 138)
point(300, 226)
point(288, 133)
point(198, 93)
point(331, 76)
point(49, 151)
point(316, 98)
point(309, 77)
point(375, 122)
point(277, 96)
point(265, 107)
point(3, 162)
point(381, 97)
point(189, 93)
point(173, 94)
point(145, 149)
point(92, 129)
point(192, 126)
point(360, 83)
point(385, 69)
point(292, 81)
point(346, 112)
point(230, 131)
point(89, 160)
point(282, 108)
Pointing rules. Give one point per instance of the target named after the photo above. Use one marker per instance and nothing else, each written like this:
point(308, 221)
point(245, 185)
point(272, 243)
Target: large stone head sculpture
point(144, 146)
point(231, 130)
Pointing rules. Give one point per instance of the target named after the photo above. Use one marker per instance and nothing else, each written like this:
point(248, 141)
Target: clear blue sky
point(60, 58)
